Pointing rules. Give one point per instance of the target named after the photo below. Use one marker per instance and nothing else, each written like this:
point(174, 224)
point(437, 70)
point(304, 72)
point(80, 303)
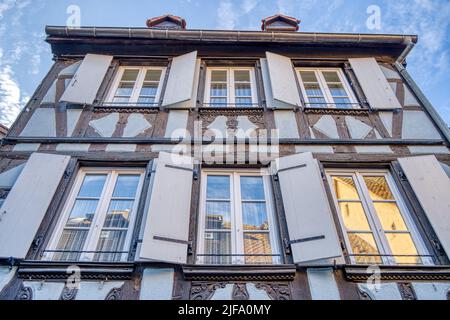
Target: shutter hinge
point(136, 242)
point(437, 245)
point(190, 250)
point(275, 177)
point(11, 262)
point(402, 175)
point(37, 243)
point(287, 246)
point(196, 174)
point(343, 247)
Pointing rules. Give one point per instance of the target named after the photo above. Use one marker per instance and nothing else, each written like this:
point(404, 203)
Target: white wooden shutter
point(376, 88)
point(28, 201)
point(432, 188)
point(280, 82)
point(311, 227)
point(182, 83)
point(166, 232)
point(86, 82)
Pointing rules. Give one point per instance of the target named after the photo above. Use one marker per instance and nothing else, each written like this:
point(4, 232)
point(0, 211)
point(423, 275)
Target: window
point(376, 223)
point(326, 88)
point(97, 222)
point(137, 86)
point(236, 219)
point(230, 86)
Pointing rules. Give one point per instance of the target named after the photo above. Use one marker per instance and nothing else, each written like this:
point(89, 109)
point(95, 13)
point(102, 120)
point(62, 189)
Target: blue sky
point(25, 57)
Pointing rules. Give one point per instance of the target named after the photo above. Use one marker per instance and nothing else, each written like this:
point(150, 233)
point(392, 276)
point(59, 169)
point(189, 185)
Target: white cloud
point(227, 17)
point(10, 99)
point(249, 5)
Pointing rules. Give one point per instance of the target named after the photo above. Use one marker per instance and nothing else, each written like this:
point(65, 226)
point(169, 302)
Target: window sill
point(88, 270)
point(399, 273)
point(239, 272)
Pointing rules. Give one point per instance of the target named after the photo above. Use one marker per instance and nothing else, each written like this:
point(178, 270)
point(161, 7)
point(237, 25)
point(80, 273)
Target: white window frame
point(231, 98)
point(324, 86)
point(137, 85)
point(97, 224)
point(372, 216)
point(237, 230)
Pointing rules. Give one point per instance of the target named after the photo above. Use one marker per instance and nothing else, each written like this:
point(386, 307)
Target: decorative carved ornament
point(276, 291)
point(68, 294)
point(338, 112)
point(109, 109)
point(114, 294)
point(255, 116)
point(406, 291)
point(25, 293)
point(206, 290)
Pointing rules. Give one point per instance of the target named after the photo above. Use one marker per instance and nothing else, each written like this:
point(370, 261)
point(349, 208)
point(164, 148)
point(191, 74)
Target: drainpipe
point(439, 122)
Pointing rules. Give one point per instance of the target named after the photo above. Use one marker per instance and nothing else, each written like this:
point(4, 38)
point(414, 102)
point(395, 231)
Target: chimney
point(167, 21)
point(280, 22)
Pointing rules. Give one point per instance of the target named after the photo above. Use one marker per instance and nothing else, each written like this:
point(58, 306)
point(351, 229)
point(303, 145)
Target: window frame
point(231, 97)
point(97, 224)
point(373, 220)
point(237, 231)
point(324, 86)
point(137, 86)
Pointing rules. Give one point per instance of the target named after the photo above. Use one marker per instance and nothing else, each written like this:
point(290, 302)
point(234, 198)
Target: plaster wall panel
point(286, 124)
point(157, 284)
point(41, 124)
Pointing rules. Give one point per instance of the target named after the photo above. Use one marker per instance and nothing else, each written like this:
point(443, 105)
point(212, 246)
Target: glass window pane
point(92, 186)
point(402, 244)
point(364, 243)
point(257, 243)
point(119, 214)
point(218, 90)
point(153, 75)
point(252, 188)
point(244, 101)
point(254, 216)
point(354, 216)
point(146, 100)
point(126, 186)
point(125, 89)
point(218, 187)
point(345, 188)
point(130, 75)
point(378, 188)
point(313, 90)
point(218, 102)
point(149, 89)
point(121, 100)
point(242, 75)
point(217, 243)
point(243, 90)
point(218, 215)
point(71, 240)
point(308, 76)
point(331, 76)
point(82, 214)
point(390, 216)
point(337, 90)
point(112, 242)
point(219, 76)
point(343, 103)
point(317, 103)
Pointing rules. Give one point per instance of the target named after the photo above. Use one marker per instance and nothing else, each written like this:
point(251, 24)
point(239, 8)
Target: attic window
point(167, 22)
point(280, 22)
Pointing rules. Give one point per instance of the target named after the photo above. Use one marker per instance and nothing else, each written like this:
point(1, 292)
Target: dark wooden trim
point(194, 216)
point(41, 270)
point(284, 272)
point(399, 273)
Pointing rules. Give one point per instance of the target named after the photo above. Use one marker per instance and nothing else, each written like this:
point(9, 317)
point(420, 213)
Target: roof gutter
point(227, 35)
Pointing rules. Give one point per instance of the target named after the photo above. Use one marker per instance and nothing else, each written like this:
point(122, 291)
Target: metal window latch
point(190, 249)
point(437, 245)
point(37, 243)
point(195, 174)
point(402, 175)
point(287, 246)
point(11, 262)
point(275, 176)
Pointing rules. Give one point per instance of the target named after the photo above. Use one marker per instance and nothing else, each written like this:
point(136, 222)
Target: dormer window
point(280, 22)
point(167, 21)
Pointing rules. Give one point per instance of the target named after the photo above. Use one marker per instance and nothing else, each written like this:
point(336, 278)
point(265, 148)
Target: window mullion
point(138, 85)
point(100, 216)
point(378, 228)
point(324, 86)
point(231, 91)
point(239, 232)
